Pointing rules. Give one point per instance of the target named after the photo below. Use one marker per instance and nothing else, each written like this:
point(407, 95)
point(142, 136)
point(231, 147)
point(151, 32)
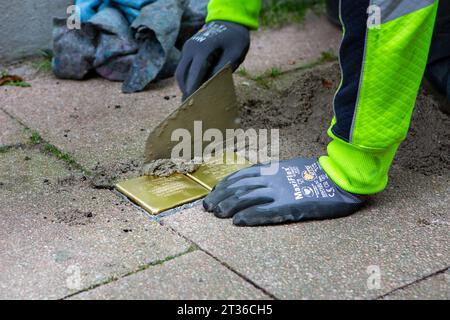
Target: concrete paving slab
point(11, 133)
point(291, 46)
point(103, 129)
point(192, 276)
point(434, 288)
point(27, 69)
point(402, 233)
point(58, 236)
point(25, 172)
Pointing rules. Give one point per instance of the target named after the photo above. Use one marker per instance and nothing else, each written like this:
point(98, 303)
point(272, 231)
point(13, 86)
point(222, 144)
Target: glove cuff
point(242, 12)
point(358, 170)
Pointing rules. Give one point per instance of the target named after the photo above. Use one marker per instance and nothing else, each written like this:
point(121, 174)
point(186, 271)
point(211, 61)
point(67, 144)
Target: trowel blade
point(214, 104)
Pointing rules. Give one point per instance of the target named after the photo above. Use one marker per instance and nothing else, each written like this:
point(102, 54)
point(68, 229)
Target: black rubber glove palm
point(218, 43)
point(300, 190)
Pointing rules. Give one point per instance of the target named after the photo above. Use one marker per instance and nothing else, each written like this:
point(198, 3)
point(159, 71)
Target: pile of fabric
point(134, 41)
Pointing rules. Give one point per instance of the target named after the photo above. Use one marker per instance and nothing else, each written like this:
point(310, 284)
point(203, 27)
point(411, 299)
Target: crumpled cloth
point(133, 41)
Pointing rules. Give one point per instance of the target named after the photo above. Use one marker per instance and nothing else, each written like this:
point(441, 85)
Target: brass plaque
point(212, 172)
point(159, 194)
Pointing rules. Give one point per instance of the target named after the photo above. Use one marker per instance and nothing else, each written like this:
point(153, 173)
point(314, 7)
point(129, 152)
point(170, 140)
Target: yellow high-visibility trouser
point(383, 57)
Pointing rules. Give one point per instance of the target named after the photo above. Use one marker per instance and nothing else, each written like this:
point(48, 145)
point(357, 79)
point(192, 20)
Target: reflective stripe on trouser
point(383, 57)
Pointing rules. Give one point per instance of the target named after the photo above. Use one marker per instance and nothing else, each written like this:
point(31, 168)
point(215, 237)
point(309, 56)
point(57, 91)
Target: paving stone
point(434, 288)
point(23, 172)
point(403, 232)
point(192, 276)
point(54, 231)
point(11, 133)
point(103, 129)
point(291, 46)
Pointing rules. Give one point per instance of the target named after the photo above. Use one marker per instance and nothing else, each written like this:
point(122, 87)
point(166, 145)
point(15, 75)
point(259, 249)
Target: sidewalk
point(65, 233)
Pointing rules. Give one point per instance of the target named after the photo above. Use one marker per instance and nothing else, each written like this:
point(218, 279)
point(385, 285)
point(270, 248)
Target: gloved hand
point(213, 47)
point(300, 190)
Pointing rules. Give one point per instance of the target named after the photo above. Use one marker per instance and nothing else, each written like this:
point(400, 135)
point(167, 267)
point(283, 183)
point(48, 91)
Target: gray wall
point(26, 26)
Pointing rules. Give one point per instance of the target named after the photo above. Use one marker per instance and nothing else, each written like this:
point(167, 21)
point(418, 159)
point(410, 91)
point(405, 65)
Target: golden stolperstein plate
point(217, 168)
point(157, 194)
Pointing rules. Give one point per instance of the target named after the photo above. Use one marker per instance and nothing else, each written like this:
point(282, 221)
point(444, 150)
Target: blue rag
point(130, 8)
point(134, 41)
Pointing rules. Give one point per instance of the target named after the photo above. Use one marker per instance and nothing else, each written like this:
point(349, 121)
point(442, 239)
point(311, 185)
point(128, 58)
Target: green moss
point(264, 79)
point(324, 58)
point(36, 140)
point(138, 269)
point(4, 149)
point(276, 13)
point(192, 248)
point(67, 158)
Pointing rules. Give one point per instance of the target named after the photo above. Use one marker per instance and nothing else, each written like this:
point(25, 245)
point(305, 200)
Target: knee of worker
point(356, 169)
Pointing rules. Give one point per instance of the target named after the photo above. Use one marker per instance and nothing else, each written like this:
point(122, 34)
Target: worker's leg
point(438, 69)
point(382, 68)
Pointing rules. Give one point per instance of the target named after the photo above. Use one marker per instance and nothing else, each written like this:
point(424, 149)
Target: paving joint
point(441, 271)
point(263, 79)
point(6, 148)
point(144, 267)
point(36, 141)
point(224, 264)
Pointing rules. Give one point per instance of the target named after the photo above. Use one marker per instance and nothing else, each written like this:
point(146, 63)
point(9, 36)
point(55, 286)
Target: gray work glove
point(217, 44)
point(299, 190)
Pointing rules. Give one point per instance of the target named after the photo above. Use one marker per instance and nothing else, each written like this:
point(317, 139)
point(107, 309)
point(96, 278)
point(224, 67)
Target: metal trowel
point(214, 104)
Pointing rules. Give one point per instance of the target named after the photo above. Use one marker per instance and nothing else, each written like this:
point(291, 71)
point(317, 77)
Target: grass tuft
point(264, 79)
point(45, 63)
point(275, 72)
point(327, 56)
point(35, 138)
point(243, 72)
point(277, 13)
point(12, 80)
point(21, 84)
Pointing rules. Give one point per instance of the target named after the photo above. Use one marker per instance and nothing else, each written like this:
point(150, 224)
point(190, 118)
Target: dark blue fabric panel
point(354, 17)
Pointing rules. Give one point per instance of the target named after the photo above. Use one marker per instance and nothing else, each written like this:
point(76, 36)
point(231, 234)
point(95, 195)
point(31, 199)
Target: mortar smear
point(167, 167)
